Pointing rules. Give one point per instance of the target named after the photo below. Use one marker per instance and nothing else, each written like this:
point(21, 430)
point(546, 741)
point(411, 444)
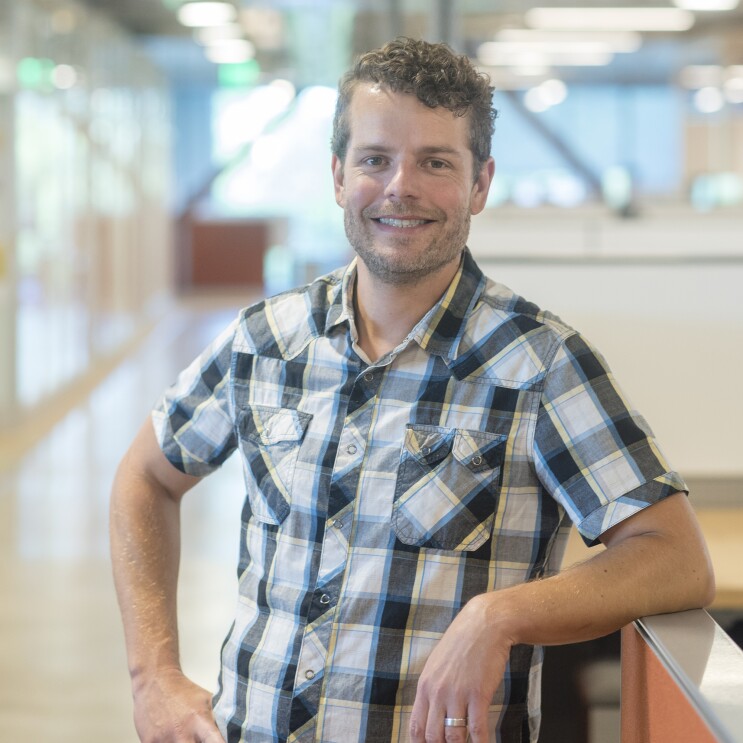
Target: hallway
point(62, 657)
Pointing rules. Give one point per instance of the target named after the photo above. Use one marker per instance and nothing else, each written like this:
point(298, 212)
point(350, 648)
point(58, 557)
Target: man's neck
point(385, 314)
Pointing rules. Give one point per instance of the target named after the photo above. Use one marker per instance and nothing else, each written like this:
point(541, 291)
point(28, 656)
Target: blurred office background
point(162, 164)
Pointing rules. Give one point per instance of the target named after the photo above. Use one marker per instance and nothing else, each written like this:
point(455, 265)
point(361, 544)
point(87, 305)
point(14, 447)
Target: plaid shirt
point(382, 497)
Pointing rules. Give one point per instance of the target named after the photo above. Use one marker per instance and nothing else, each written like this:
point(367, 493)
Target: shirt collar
point(340, 311)
point(440, 330)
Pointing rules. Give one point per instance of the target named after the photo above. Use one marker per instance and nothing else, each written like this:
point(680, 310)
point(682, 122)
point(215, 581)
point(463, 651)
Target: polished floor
point(63, 675)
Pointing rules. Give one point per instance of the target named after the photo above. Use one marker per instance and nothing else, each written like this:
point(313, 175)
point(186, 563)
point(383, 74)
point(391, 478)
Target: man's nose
point(404, 181)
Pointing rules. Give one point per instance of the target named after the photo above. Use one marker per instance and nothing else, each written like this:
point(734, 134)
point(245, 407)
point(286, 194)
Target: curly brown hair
point(435, 75)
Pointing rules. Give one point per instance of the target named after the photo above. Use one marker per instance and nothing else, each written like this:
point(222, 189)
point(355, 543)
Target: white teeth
point(402, 222)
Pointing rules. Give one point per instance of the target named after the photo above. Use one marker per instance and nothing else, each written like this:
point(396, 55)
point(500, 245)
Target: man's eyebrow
point(429, 150)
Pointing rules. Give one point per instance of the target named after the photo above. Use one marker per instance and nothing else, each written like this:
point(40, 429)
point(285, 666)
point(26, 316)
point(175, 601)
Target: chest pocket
point(269, 441)
point(446, 490)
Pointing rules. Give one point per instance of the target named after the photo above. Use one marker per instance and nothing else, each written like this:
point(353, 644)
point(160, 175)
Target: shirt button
point(309, 674)
point(477, 461)
point(325, 599)
point(426, 450)
point(337, 523)
point(351, 449)
point(368, 377)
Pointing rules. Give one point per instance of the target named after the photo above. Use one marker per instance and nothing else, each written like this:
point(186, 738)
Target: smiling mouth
point(392, 222)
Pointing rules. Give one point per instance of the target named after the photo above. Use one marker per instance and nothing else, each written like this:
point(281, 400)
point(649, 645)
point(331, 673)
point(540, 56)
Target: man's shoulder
point(513, 338)
point(504, 304)
point(281, 325)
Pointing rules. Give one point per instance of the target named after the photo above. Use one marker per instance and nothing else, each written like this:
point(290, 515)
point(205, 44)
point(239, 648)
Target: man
point(415, 440)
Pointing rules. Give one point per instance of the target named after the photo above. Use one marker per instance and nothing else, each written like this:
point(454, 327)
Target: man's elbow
point(707, 585)
point(699, 579)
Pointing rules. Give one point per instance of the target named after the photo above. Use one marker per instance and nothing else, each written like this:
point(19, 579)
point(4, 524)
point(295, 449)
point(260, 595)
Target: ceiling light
point(617, 41)
point(497, 53)
point(64, 77)
point(709, 100)
point(554, 91)
point(611, 19)
point(706, 4)
point(545, 95)
point(196, 14)
point(535, 101)
point(231, 51)
point(213, 34)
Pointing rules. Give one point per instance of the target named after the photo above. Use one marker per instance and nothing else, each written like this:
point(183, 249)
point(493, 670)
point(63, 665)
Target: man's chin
point(400, 273)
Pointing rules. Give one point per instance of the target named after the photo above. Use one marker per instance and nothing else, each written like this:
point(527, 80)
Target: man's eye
point(373, 161)
point(437, 164)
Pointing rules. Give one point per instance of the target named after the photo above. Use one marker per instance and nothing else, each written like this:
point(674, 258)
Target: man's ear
point(337, 166)
point(482, 186)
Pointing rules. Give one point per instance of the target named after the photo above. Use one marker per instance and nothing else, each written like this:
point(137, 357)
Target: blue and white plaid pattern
point(381, 497)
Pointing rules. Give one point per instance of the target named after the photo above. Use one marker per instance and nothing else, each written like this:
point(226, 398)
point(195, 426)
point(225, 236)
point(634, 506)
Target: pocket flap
point(267, 426)
point(428, 445)
point(479, 451)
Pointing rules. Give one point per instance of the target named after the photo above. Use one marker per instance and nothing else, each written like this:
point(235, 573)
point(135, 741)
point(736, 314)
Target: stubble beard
point(402, 268)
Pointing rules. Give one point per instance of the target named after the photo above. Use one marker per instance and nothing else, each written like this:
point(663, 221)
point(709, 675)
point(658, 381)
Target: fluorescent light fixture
point(214, 34)
point(535, 70)
point(197, 14)
point(611, 19)
point(706, 4)
point(544, 47)
point(511, 54)
point(617, 41)
point(231, 51)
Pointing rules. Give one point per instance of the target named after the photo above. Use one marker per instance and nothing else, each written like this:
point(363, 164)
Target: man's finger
point(418, 720)
point(477, 721)
point(455, 727)
point(208, 732)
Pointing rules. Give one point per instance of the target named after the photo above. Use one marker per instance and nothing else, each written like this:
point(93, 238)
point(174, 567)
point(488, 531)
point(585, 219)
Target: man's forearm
point(645, 573)
point(145, 550)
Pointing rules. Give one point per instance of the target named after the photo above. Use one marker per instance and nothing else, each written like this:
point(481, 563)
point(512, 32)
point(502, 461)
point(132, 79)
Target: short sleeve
point(593, 452)
point(193, 421)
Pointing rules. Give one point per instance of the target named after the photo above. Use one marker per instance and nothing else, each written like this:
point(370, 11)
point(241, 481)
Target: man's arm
point(145, 551)
point(655, 562)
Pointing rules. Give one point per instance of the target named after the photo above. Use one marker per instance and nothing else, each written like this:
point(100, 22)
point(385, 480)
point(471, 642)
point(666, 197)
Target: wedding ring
point(455, 722)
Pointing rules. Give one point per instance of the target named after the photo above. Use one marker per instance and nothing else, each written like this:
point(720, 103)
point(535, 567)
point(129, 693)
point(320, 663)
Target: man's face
point(407, 185)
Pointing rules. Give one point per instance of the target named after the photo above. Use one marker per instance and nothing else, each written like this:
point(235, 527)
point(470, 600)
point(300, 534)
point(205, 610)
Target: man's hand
point(172, 709)
point(461, 676)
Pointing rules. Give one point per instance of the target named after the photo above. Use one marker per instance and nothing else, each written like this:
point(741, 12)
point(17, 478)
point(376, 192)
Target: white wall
point(672, 333)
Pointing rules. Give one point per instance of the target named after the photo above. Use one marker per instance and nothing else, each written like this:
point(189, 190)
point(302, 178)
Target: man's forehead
point(373, 96)
point(377, 114)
